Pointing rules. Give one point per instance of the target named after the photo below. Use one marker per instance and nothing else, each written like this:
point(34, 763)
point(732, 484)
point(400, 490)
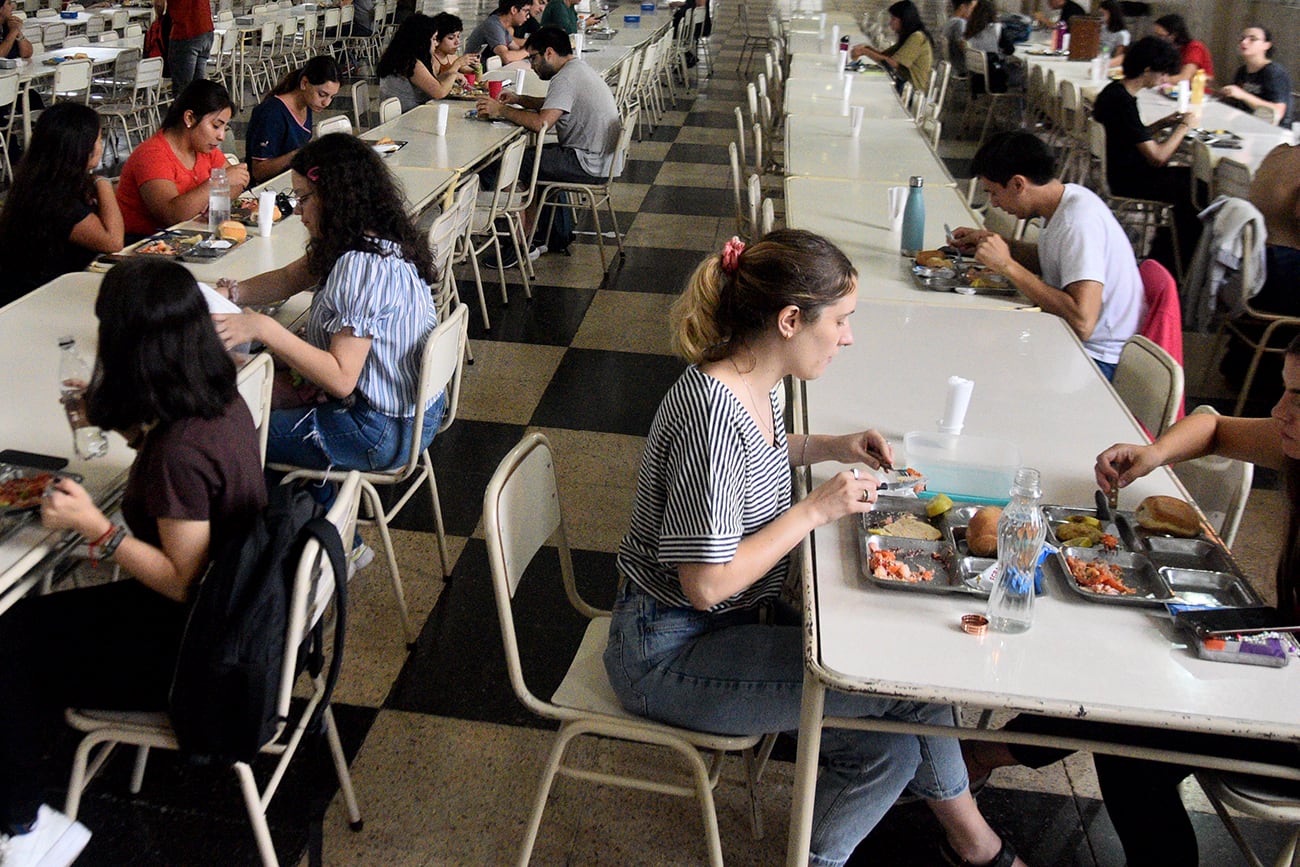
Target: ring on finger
point(866, 496)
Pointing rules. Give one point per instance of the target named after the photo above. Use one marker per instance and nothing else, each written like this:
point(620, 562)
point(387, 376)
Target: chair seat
point(1268, 791)
point(586, 689)
point(88, 720)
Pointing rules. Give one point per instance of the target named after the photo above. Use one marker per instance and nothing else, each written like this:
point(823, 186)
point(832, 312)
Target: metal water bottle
point(914, 217)
point(1021, 531)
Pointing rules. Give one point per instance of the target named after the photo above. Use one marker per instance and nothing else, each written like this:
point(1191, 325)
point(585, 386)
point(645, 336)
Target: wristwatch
point(109, 548)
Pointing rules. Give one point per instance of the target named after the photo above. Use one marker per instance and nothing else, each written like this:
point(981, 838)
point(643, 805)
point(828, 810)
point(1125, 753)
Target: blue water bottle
point(914, 218)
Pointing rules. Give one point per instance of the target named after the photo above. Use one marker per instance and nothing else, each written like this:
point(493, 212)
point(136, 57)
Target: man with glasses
point(495, 34)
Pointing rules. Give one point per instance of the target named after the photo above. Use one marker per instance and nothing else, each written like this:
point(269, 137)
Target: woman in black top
point(57, 215)
point(1259, 82)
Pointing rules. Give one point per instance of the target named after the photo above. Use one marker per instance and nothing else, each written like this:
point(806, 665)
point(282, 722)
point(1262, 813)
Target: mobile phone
point(50, 463)
point(1220, 622)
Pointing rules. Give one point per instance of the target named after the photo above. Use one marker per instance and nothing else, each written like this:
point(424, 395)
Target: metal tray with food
point(385, 146)
point(21, 487)
point(1082, 528)
point(904, 548)
point(963, 277)
point(1209, 588)
point(1115, 577)
point(245, 211)
point(185, 246)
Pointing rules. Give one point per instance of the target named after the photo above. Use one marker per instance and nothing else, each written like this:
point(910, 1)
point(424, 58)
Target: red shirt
point(153, 160)
point(1196, 52)
point(190, 18)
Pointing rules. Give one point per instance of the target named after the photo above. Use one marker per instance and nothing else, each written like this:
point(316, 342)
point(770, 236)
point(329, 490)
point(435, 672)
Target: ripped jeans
point(333, 435)
point(731, 674)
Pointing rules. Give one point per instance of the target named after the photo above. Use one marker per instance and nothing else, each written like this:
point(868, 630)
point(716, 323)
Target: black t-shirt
point(30, 266)
point(15, 50)
point(1270, 83)
point(530, 26)
point(1071, 9)
point(1116, 109)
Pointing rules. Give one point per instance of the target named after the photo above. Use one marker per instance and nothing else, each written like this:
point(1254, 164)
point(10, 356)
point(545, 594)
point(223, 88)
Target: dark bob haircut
point(160, 359)
point(1008, 154)
point(319, 70)
point(1176, 26)
point(1153, 53)
point(202, 97)
point(550, 37)
point(445, 24)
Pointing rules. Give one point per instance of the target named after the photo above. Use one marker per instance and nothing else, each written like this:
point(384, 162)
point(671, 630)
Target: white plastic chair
point(441, 364)
point(1150, 382)
point(337, 123)
point(390, 109)
point(313, 589)
point(1231, 178)
point(361, 105)
point(1258, 798)
point(1220, 486)
point(255, 382)
point(139, 114)
point(1141, 217)
point(521, 512)
point(492, 206)
point(8, 100)
point(767, 216)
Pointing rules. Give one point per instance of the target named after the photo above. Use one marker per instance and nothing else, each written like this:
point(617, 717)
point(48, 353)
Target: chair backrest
point(624, 147)
point(1150, 382)
point(1220, 486)
point(737, 189)
point(54, 34)
point(121, 18)
point(767, 217)
point(390, 109)
point(1202, 174)
point(108, 37)
point(939, 85)
point(444, 234)
point(331, 19)
point(441, 363)
point(1097, 152)
point(361, 104)
point(754, 187)
point(76, 41)
point(1231, 178)
point(338, 123)
point(521, 512)
point(254, 382)
point(313, 585)
point(132, 30)
point(741, 136)
point(94, 25)
point(493, 62)
point(72, 77)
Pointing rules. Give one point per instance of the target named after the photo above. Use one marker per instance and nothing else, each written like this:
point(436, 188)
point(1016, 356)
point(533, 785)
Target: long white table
point(467, 143)
point(34, 70)
point(1033, 385)
point(824, 146)
point(854, 214)
point(824, 94)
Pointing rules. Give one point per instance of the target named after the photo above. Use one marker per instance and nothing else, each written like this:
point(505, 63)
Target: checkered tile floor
point(443, 756)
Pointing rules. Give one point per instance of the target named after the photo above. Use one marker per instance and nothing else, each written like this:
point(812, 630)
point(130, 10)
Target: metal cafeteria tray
point(1210, 588)
point(949, 280)
point(954, 571)
point(1058, 515)
point(1136, 571)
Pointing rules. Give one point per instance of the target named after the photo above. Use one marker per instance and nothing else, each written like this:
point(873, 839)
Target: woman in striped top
point(348, 400)
point(712, 531)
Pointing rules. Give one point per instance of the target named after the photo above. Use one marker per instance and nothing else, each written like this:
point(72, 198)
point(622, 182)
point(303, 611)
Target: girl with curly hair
point(356, 370)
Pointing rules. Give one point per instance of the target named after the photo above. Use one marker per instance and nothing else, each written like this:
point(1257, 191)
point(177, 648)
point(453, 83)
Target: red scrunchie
point(731, 255)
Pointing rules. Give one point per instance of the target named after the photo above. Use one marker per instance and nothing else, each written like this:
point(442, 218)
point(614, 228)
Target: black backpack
point(225, 687)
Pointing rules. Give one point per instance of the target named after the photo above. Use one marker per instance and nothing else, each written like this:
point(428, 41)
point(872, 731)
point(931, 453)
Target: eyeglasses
point(533, 58)
point(303, 198)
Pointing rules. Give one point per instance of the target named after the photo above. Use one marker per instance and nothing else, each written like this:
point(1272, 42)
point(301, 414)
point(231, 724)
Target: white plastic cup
point(1065, 42)
point(440, 120)
point(897, 200)
point(519, 82)
point(848, 93)
point(1098, 68)
point(856, 113)
point(835, 40)
point(265, 212)
point(578, 39)
point(956, 403)
point(1184, 97)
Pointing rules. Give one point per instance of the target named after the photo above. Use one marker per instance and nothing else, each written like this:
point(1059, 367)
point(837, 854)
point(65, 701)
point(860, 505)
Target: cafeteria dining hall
point(368, 366)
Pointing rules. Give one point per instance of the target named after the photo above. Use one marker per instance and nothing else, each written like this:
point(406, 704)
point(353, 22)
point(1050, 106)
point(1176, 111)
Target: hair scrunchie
point(731, 255)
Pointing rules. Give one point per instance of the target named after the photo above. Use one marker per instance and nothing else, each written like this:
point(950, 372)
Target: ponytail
point(694, 315)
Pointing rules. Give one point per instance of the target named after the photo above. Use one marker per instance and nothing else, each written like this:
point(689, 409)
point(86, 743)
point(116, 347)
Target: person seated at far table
point(421, 62)
point(912, 55)
point(1260, 82)
point(165, 180)
point(281, 123)
point(1082, 268)
point(1192, 52)
point(1115, 37)
point(58, 214)
point(1142, 796)
point(1065, 9)
point(495, 33)
point(532, 23)
point(1137, 164)
point(348, 398)
point(164, 381)
point(561, 14)
point(954, 31)
point(1275, 190)
point(13, 44)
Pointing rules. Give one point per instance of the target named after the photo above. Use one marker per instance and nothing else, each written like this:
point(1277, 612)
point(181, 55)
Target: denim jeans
point(731, 674)
point(333, 435)
point(188, 60)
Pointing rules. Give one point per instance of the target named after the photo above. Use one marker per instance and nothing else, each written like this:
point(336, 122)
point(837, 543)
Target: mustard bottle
point(1198, 87)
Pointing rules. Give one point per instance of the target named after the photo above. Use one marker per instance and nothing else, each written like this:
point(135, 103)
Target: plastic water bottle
point(74, 375)
point(914, 217)
point(844, 52)
point(218, 199)
point(1020, 541)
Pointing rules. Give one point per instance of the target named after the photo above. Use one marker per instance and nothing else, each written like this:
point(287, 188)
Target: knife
point(1109, 521)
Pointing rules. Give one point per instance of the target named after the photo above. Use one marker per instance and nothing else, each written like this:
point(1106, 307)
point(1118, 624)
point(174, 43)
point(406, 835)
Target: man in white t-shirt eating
point(1082, 268)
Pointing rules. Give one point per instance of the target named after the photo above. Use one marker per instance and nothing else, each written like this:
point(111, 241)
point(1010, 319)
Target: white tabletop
point(35, 67)
point(808, 63)
point(1035, 387)
point(466, 144)
point(821, 94)
point(823, 145)
point(854, 214)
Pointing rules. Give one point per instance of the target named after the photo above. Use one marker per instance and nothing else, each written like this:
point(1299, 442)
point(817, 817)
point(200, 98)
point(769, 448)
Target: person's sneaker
point(54, 841)
point(361, 557)
point(508, 258)
point(537, 252)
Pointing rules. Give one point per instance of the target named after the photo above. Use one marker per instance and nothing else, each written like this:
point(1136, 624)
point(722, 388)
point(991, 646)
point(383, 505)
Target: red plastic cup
point(494, 88)
point(470, 78)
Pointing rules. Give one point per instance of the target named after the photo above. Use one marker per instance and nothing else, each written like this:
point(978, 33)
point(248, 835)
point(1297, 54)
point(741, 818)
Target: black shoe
point(510, 260)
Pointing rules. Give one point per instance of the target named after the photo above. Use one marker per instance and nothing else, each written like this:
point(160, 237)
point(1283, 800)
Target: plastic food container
point(71, 16)
point(961, 465)
point(647, 7)
point(631, 19)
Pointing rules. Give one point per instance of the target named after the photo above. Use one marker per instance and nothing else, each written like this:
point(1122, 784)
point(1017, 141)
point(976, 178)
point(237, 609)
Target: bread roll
point(933, 259)
point(982, 532)
point(1168, 515)
point(233, 231)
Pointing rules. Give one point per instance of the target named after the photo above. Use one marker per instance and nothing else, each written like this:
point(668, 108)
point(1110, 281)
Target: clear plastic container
point(957, 464)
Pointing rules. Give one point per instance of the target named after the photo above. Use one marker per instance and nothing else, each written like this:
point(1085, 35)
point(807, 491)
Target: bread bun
point(933, 259)
point(1168, 515)
point(233, 231)
point(982, 532)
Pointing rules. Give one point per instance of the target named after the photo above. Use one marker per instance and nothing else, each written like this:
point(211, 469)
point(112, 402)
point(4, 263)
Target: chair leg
point(1217, 347)
point(137, 773)
point(478, 283)
point(381, 521)
point(256, 814)
point(341, 769)
point(613, 219)
point(553, 761)
point(751, 783)
point(437, 516)
point(600, 237)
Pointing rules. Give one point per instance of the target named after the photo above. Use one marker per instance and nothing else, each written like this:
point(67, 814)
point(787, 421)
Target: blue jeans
point(335, 436)
point(1107, 369)
point(188, 60)
point(731, 674)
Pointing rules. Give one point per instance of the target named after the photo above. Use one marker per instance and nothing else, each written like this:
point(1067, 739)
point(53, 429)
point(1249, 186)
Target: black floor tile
point(698, 153)
point(718, 119)
point(458, 668)
point(550, 318)
point(640, 171)
point(612, 392)
point(663, 132)
point(698, 201)
point(647, 269)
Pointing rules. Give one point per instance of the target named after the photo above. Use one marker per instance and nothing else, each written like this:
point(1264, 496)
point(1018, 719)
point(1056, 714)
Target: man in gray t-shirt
point(579, 106)
point(495, 34)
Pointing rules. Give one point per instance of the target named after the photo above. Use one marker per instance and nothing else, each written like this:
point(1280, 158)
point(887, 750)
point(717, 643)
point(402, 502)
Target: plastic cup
point(579, 39)
point(494, 88)
point(470, 78)
point(265, 213)
point(856, 113)
point(440, 121)
point(519, 81)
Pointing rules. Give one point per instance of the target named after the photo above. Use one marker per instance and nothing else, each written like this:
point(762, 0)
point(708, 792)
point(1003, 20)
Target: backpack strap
point(328, 536)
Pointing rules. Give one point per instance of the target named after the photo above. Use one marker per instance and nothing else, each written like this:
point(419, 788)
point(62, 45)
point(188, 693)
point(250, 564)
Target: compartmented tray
point(384, 148)
point(185, 246)
point(29, 483)
point(1209, 588)
point(947, 559)
point(957, 280)
point(1108, 572)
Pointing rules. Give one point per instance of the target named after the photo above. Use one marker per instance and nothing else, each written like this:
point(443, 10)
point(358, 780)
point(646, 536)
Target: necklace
point(769, 428)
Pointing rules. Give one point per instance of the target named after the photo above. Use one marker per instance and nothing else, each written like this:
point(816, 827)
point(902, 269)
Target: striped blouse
point(380, 296)
point(708, 479)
